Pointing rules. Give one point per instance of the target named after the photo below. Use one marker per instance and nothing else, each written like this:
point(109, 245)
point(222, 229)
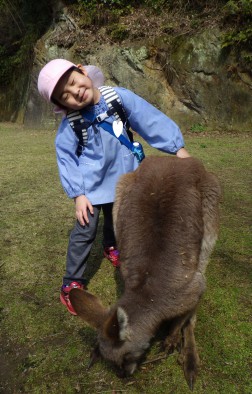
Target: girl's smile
point(75, 90)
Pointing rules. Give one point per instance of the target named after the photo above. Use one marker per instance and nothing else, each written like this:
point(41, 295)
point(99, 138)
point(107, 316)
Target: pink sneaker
point(112, 254)
point(64, 295)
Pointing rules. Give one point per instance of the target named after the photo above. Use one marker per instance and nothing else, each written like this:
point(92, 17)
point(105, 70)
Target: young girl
point(90, 177)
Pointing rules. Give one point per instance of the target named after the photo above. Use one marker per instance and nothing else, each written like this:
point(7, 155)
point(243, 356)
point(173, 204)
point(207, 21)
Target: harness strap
point(80, 125)
point(114, 103)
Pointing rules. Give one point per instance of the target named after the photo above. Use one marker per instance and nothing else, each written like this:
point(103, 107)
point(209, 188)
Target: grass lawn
point(46, 350)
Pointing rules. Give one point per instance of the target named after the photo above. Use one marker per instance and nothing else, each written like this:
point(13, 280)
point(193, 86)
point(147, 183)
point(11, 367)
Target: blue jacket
point(96, 172)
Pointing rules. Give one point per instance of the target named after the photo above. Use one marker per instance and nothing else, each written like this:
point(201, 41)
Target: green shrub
point(197, 128)
point(6, 69)
point(93, 4)
point(238, 18)
point(118, 32)
point(21, 24)
point(101, 12)
point(240, 9)
point(238, 37)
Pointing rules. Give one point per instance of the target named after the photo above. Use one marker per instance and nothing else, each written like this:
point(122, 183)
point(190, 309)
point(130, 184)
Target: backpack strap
point(80, 125)
point(114, 103)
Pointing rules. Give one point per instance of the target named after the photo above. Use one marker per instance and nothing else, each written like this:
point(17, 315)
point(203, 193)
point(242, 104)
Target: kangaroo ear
point(88, 307)
point(116, 327)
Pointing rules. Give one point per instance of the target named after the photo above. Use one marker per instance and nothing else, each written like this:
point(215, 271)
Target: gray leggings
point(81, 240)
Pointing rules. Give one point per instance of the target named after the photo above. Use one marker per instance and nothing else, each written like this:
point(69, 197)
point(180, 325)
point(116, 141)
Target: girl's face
point(75, 90)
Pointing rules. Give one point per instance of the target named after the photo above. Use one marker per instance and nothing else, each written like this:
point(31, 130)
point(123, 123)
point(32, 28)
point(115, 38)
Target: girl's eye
point(72, 83)
point(65, 97)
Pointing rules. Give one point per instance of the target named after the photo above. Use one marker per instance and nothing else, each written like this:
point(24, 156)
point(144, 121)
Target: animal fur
point(166, 223)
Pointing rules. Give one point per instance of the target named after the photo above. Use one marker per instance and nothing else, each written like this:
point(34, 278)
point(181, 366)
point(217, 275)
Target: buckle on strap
point(101, 117)
point(104, 115)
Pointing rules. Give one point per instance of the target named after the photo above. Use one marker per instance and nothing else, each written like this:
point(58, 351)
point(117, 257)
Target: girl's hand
point(182, 153)
point(82, 205)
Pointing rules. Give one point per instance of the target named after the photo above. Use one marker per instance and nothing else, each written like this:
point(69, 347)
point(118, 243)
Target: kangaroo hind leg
point(189, 357)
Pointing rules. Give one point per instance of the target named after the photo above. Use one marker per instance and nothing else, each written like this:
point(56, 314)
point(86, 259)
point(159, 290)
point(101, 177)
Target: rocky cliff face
point(191, 79)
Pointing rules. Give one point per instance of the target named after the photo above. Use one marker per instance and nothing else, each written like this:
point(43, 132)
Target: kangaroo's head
point(117, 341)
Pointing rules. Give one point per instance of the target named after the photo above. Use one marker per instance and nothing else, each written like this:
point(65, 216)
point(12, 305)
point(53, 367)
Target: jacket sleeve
point(157, 129)
point(68, 163)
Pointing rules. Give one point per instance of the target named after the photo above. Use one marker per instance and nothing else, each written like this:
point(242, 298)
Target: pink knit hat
point(51, 73)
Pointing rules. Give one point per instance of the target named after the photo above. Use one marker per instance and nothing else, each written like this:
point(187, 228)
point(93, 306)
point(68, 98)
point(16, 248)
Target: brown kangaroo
point(166, 223)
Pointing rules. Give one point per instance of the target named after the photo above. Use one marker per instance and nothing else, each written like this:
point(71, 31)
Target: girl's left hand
point(182, 153)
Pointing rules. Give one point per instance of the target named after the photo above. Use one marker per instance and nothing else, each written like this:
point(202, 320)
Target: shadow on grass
point(234, 262)
point(95, 259)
